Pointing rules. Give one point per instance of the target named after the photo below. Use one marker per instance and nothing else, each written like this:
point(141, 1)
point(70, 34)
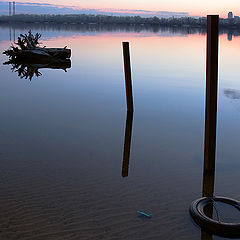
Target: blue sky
point(163, 8)
point(46, 8)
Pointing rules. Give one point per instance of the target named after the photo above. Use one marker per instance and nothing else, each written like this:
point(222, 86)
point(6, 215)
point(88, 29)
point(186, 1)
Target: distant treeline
point(104, 19)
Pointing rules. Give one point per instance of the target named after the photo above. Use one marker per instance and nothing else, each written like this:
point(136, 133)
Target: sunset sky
point(185, 7)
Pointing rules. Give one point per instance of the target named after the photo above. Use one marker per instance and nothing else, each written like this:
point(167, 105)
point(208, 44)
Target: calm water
point(62, 137)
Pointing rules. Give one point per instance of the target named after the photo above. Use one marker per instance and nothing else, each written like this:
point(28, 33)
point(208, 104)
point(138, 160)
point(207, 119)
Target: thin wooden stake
point(211, 93)
point(128, 78)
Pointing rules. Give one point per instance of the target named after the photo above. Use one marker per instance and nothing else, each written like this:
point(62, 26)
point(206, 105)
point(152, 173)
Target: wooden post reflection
point(210, 115)
point(206, 236)
point(128, 78)
point(127, 144)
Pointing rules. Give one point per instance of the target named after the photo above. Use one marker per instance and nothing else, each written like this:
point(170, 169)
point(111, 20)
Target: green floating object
point(144, 214)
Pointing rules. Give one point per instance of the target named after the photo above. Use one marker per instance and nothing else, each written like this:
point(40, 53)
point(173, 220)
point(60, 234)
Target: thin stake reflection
point(127, 143)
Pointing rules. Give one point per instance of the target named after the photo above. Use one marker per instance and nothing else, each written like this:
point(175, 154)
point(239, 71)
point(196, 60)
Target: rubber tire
point(230, 230)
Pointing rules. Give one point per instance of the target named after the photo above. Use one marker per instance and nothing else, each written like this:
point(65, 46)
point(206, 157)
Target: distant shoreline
point(81, 19)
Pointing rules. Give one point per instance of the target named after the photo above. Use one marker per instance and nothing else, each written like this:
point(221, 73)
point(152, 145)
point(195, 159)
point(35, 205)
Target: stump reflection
point(29, 70)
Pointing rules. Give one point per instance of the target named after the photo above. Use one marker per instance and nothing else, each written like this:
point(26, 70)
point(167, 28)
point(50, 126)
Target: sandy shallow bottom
point(43, 201)
point(47, 198)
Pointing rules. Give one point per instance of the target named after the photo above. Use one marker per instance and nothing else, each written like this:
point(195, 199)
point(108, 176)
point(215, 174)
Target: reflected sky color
point(62, 134)
point(155, 54)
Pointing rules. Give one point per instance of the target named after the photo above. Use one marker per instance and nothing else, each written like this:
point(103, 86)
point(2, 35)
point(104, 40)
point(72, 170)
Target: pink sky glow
point(194, 8)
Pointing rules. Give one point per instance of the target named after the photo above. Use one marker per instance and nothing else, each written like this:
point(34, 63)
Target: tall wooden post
point(208, 191)
point(210, 115)
point(211, 93)
point(128, 78)
point(208, 184)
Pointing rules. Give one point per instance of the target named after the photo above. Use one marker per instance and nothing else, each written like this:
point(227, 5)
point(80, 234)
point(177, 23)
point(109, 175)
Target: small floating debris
point(144, 214)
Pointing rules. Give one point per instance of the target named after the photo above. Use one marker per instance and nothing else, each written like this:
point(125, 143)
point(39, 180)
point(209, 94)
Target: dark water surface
point(62, 138)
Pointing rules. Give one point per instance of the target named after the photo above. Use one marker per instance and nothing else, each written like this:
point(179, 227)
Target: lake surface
point(62, 137)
